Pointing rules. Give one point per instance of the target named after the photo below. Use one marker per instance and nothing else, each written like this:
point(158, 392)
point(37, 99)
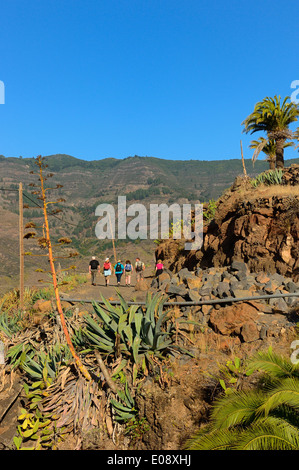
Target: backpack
point(106, 266)
point(118, 268)
point(128, 267)
point(139, 266)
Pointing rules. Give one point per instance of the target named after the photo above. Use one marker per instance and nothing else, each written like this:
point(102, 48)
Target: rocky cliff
point(257, 225)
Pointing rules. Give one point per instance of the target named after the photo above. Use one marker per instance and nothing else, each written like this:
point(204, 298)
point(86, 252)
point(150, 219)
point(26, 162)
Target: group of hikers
point(119, 269)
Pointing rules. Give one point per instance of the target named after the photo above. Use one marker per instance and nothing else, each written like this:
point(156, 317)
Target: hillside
point(85, 184)
point(256, 225)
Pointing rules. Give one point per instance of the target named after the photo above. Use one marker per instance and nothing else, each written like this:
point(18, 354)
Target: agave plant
point(268, 178)
point(46, 365)
point(10, 324)
point(266, 418)
point(130, 335)
point(123, 405)
point(19, 353)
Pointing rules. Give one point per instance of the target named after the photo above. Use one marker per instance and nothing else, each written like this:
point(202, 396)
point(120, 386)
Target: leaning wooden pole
point(21, 246)
point(243, 162)
point(112, 237)
point(81, 367)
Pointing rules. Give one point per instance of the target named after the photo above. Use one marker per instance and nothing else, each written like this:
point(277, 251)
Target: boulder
point(279, 279)
point(193, 282)
point(142, 286)
point(292, 287)
point(222, 290)
point(229, 320)
point(242, 293)
point(238, 266)
point(260, 306)
point(241, 276)
point(250, 332)
point(279, 305)
point(66, 305)
point(164, 279)
point(194, 295)
point(206, 309)
point(206, 290)
point(262, 278)
point(184, 274)
point(42, 306)
point(270, 287)
point(176, 290)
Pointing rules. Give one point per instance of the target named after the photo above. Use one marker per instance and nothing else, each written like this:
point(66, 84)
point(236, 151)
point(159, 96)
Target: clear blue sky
point(112, 78)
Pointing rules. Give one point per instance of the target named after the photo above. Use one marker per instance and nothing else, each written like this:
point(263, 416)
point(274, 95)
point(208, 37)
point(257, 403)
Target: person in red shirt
point(159, 270)
point(107, 271)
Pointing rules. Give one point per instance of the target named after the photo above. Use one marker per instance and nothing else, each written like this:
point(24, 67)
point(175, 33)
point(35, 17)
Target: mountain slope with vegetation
point(85, 184)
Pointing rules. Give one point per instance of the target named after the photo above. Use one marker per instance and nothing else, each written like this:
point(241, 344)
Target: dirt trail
point(129, 293)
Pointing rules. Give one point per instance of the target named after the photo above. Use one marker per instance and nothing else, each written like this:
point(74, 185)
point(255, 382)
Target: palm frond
point(237, 408)
point(275, 365)
point(285, 392)
point(268, 435)
point(213, 440)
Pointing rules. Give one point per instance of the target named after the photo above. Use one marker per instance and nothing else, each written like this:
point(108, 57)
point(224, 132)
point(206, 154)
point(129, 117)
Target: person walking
point(94, 267)
point(107, 271)
point(159, 271)
point(118, 270)
point(128, 272)
point(139, 268)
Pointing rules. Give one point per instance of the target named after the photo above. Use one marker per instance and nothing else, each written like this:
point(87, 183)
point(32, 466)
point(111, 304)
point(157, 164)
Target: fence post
point(21, 245)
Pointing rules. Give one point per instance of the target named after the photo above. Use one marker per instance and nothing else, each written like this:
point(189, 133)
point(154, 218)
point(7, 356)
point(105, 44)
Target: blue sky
point(115, 78)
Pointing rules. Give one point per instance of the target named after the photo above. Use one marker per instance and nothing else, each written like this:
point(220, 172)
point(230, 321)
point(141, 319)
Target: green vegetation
point(141, 194)
point(264, 418)
point(268, 147)
point(128, 332)
point(124, 406)
point(268, 178)
point(210, 211)
point(274, 118)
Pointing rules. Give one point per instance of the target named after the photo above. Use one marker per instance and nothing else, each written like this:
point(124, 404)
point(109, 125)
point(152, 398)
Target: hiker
point(159, 270)
point(139, 268)
point(118, 270)
point(128, 272)
point(94, 267)
point(107, 271)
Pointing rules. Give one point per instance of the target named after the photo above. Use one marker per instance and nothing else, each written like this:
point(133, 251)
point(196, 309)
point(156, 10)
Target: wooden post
point(21, 245)
point(243, 162)
point(112, 237)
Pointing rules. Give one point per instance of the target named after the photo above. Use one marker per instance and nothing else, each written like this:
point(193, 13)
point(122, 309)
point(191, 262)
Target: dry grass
point(263, 191)
point(277, 190)
point(10, 300)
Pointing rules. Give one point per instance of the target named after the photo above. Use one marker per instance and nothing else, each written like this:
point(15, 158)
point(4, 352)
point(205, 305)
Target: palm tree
point(268, 147)
point(274, 118)
point(266, 418)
